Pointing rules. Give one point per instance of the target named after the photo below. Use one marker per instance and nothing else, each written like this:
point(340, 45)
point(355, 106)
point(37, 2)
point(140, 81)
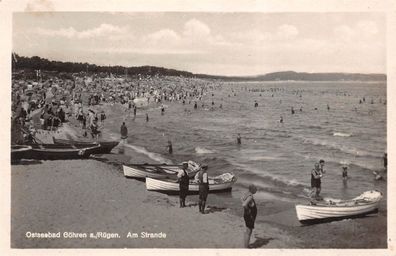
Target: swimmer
point(281, 120)
point(292, 110)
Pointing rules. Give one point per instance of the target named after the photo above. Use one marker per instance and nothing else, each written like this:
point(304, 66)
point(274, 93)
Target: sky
point(233, 44)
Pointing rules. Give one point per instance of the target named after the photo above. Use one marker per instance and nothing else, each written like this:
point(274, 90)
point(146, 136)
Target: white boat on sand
point(158, 171)
point(334, 209)
point(221, 183)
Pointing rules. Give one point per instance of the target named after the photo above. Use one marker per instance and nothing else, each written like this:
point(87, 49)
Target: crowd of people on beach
point(50, 100)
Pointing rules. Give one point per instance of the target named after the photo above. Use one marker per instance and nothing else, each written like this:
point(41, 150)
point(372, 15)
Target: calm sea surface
point(277, 157)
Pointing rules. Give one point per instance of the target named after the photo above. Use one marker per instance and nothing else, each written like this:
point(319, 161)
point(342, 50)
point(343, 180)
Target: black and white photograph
point(197, 129)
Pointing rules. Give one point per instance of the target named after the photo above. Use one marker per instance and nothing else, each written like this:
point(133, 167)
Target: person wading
point(202, 178)
point(170, 147)
point(183, 184)
point(316, 175)
point(239, 139)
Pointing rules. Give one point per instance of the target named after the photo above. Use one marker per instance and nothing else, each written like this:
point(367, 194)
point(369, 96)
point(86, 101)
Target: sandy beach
point(87, 196)
point(78, 198)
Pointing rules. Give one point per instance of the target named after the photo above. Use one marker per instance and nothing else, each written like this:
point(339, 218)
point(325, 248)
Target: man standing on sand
point(202, 178)
point(183, 184)
point(124, 136)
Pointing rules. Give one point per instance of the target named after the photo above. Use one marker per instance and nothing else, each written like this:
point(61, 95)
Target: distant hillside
point(34, 63)
point(291, 75)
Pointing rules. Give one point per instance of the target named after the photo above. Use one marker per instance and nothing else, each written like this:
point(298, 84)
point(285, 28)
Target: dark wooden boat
point(105, 146)
point(59, 152)
point(19, 152)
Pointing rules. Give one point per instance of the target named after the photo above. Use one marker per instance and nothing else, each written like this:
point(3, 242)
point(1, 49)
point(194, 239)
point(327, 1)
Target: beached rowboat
point(221, 183)
point(19, 152)
point(158, 171)
point(105, 146)
point(333, 209)
point(59, 152)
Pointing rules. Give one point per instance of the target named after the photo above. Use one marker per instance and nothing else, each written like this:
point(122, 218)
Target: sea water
point(328, 123)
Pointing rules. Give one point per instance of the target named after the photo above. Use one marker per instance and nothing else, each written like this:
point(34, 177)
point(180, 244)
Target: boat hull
point(59, 152)
point(105, 146)
point(330, 210)
point(136, 172)
point(330, 219)
point(19, 152)
point(172, 186)
point(158, 171)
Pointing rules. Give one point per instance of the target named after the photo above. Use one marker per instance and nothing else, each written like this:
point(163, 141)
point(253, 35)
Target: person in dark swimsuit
point(184, 181)
point(202, 178)
point(316, 176)
point(249, 213)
